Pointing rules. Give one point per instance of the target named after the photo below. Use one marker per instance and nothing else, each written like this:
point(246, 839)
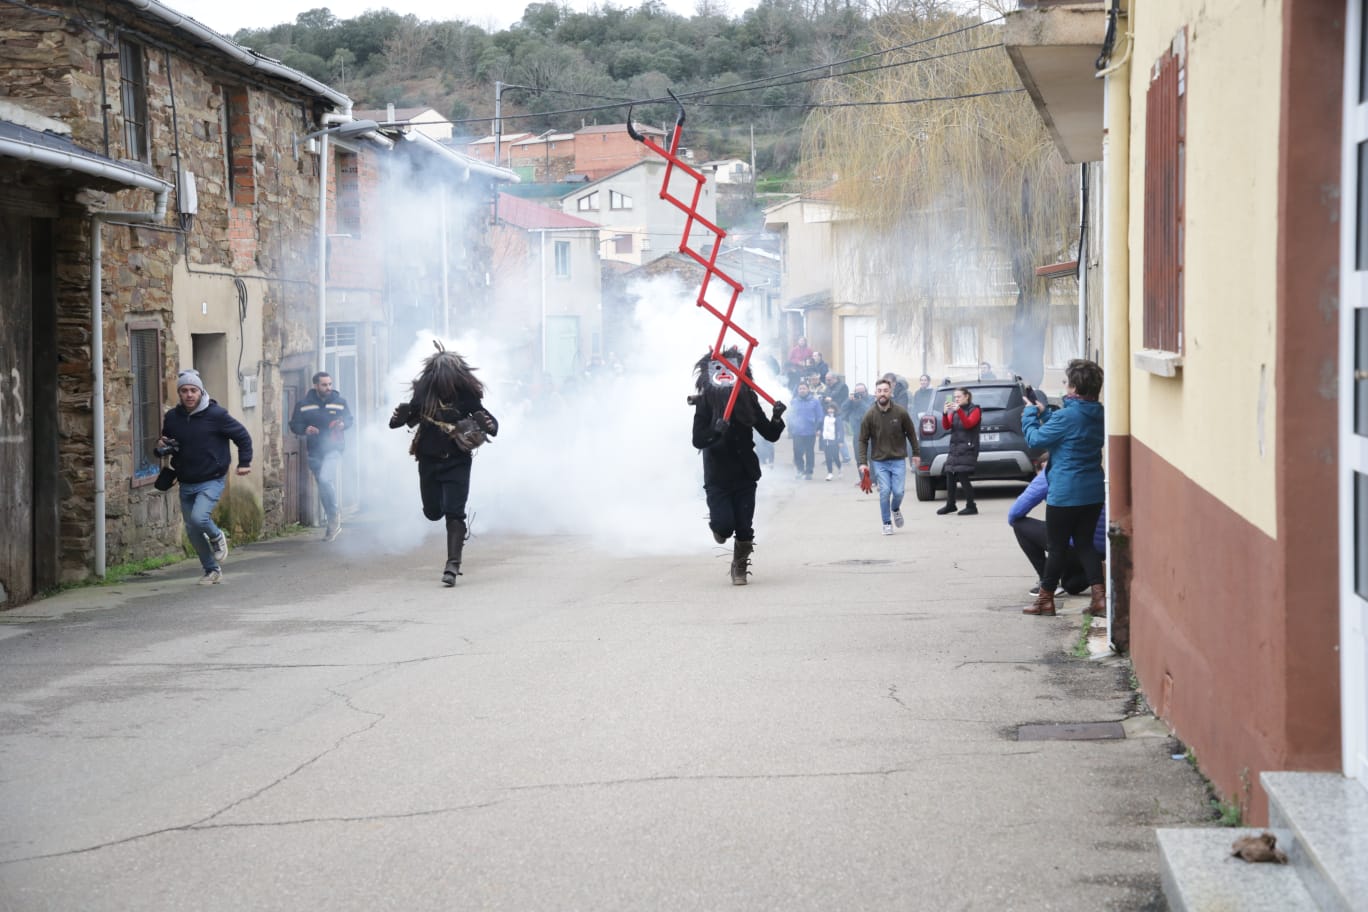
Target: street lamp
point(498, 112)
point(351, 128)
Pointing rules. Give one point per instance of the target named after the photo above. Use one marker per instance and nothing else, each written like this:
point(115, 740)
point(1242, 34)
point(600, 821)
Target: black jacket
point(315, 411)
point(964, 426)
point(203, 439)
point(729, 458)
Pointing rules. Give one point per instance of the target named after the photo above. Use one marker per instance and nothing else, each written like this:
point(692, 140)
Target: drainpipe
point(322, 331)
point(543, 303)
point(1117, 344)
point(97, 395)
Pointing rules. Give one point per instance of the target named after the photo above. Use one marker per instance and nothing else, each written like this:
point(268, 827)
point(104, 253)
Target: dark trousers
point(1031, 536)
point(731, 510)
point(962, 478)
point(832, 451)
point(804, 453)
point(445, 486)
point(1061, 525)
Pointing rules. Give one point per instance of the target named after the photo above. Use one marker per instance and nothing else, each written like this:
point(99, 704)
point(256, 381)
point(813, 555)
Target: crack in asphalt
point(205, 822)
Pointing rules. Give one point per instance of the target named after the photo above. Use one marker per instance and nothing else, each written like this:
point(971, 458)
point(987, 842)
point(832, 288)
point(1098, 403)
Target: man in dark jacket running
point(321, 418)
point(196, 433)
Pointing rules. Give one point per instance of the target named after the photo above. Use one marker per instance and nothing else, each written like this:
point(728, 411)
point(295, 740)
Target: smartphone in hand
point(1030, 394)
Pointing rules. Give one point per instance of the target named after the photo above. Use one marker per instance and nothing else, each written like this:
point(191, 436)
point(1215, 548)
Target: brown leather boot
point(1044, 605)
point(1098, 607)
point(740, 565)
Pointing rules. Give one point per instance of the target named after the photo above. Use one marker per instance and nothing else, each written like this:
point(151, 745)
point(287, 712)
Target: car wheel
point(926, 489)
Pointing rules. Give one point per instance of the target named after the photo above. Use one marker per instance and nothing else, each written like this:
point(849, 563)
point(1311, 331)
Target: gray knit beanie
point(192, 378)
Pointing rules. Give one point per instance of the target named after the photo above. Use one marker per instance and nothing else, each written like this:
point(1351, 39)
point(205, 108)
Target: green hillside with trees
point(594, 60)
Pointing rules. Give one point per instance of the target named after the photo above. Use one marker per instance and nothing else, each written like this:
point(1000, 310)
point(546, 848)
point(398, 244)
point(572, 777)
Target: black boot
point(740, 565)
point(456, 535)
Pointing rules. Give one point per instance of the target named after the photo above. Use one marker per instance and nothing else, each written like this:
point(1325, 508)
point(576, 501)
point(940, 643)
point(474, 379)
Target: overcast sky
point(228, 17)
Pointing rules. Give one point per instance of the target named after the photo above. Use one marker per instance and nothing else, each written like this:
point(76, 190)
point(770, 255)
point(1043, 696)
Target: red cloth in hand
point(866, 484)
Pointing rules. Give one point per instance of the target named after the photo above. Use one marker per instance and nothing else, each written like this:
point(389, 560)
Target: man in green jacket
point(886, 430)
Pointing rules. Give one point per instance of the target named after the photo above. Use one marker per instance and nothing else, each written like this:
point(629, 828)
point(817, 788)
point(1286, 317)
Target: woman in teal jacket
point(1074, 435)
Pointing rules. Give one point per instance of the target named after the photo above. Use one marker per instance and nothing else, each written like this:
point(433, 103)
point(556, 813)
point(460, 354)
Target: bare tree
point(948, 166)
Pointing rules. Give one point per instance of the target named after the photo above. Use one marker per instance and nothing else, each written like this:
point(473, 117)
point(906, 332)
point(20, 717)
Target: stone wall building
point(139, 136)
point(190, 166)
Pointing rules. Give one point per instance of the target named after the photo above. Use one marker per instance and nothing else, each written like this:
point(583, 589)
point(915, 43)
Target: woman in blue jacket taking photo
point(1074, 435)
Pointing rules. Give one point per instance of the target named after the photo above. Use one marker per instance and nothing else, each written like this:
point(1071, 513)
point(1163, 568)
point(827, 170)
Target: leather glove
point(720, 426)
point(779, 409)
point(866, 484)
point(486, 421)
point(400, 416)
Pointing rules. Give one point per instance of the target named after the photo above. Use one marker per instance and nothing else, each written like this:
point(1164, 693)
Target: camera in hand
point(169, 448)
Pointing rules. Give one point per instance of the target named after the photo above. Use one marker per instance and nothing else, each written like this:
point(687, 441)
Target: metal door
point(562, 347)
point(16, 412)
point(1353, 398)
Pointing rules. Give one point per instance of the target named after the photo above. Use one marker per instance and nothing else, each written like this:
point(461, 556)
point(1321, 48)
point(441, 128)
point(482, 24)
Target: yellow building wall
point(1215, 421)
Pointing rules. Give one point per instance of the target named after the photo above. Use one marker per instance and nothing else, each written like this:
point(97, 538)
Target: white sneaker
point(828, 478)
point(888, 528)
point(334, 527)
point(220, 546)
point(211, 578)
point(897, 518)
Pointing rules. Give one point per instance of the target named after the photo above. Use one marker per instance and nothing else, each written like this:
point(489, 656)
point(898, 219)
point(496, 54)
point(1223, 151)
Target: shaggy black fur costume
point(446, 408)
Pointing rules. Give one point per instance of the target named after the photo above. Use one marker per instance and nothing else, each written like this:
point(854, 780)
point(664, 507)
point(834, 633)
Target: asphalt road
point(578, 727)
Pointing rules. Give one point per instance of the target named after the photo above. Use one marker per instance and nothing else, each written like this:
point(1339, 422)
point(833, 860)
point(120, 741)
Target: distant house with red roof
point(547, 287)
point(604, 149)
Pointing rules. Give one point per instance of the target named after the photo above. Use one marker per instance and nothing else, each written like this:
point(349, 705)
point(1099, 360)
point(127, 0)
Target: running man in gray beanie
point(196, 433)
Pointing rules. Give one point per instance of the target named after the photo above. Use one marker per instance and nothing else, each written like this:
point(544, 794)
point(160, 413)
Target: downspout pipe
point(97, 394)
point(1116, 322)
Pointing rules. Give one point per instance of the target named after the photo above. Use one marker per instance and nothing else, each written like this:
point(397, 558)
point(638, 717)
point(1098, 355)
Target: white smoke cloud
point(610, 459)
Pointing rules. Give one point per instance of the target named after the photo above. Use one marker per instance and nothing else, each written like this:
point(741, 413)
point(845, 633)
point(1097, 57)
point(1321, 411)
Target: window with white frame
point(562, 259)
point(964, 345)
point(619, 200)
point(589, 202)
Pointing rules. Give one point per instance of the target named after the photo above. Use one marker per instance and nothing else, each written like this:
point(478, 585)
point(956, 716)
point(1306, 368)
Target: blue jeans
point(324, 469)
point(891, 477)
point(198, 500)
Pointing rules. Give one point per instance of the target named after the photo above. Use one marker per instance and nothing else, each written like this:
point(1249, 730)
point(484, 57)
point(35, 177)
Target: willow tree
point(940, 162)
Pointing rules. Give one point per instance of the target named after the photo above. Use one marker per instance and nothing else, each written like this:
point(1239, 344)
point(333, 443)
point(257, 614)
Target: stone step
point(1200, 875)
point(1327, 816)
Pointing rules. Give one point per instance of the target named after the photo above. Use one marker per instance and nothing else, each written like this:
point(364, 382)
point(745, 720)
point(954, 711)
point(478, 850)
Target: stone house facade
point(214, 270)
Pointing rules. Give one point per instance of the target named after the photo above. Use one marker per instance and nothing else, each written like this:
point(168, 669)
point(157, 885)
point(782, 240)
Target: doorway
point(29, 543)
point(861, 349)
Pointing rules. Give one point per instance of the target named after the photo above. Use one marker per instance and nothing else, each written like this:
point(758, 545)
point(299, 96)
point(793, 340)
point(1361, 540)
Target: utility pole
point(498, 118)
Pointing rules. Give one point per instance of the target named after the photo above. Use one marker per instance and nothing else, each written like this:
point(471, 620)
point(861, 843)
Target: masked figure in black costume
point(730, 466)
point(452, 422)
